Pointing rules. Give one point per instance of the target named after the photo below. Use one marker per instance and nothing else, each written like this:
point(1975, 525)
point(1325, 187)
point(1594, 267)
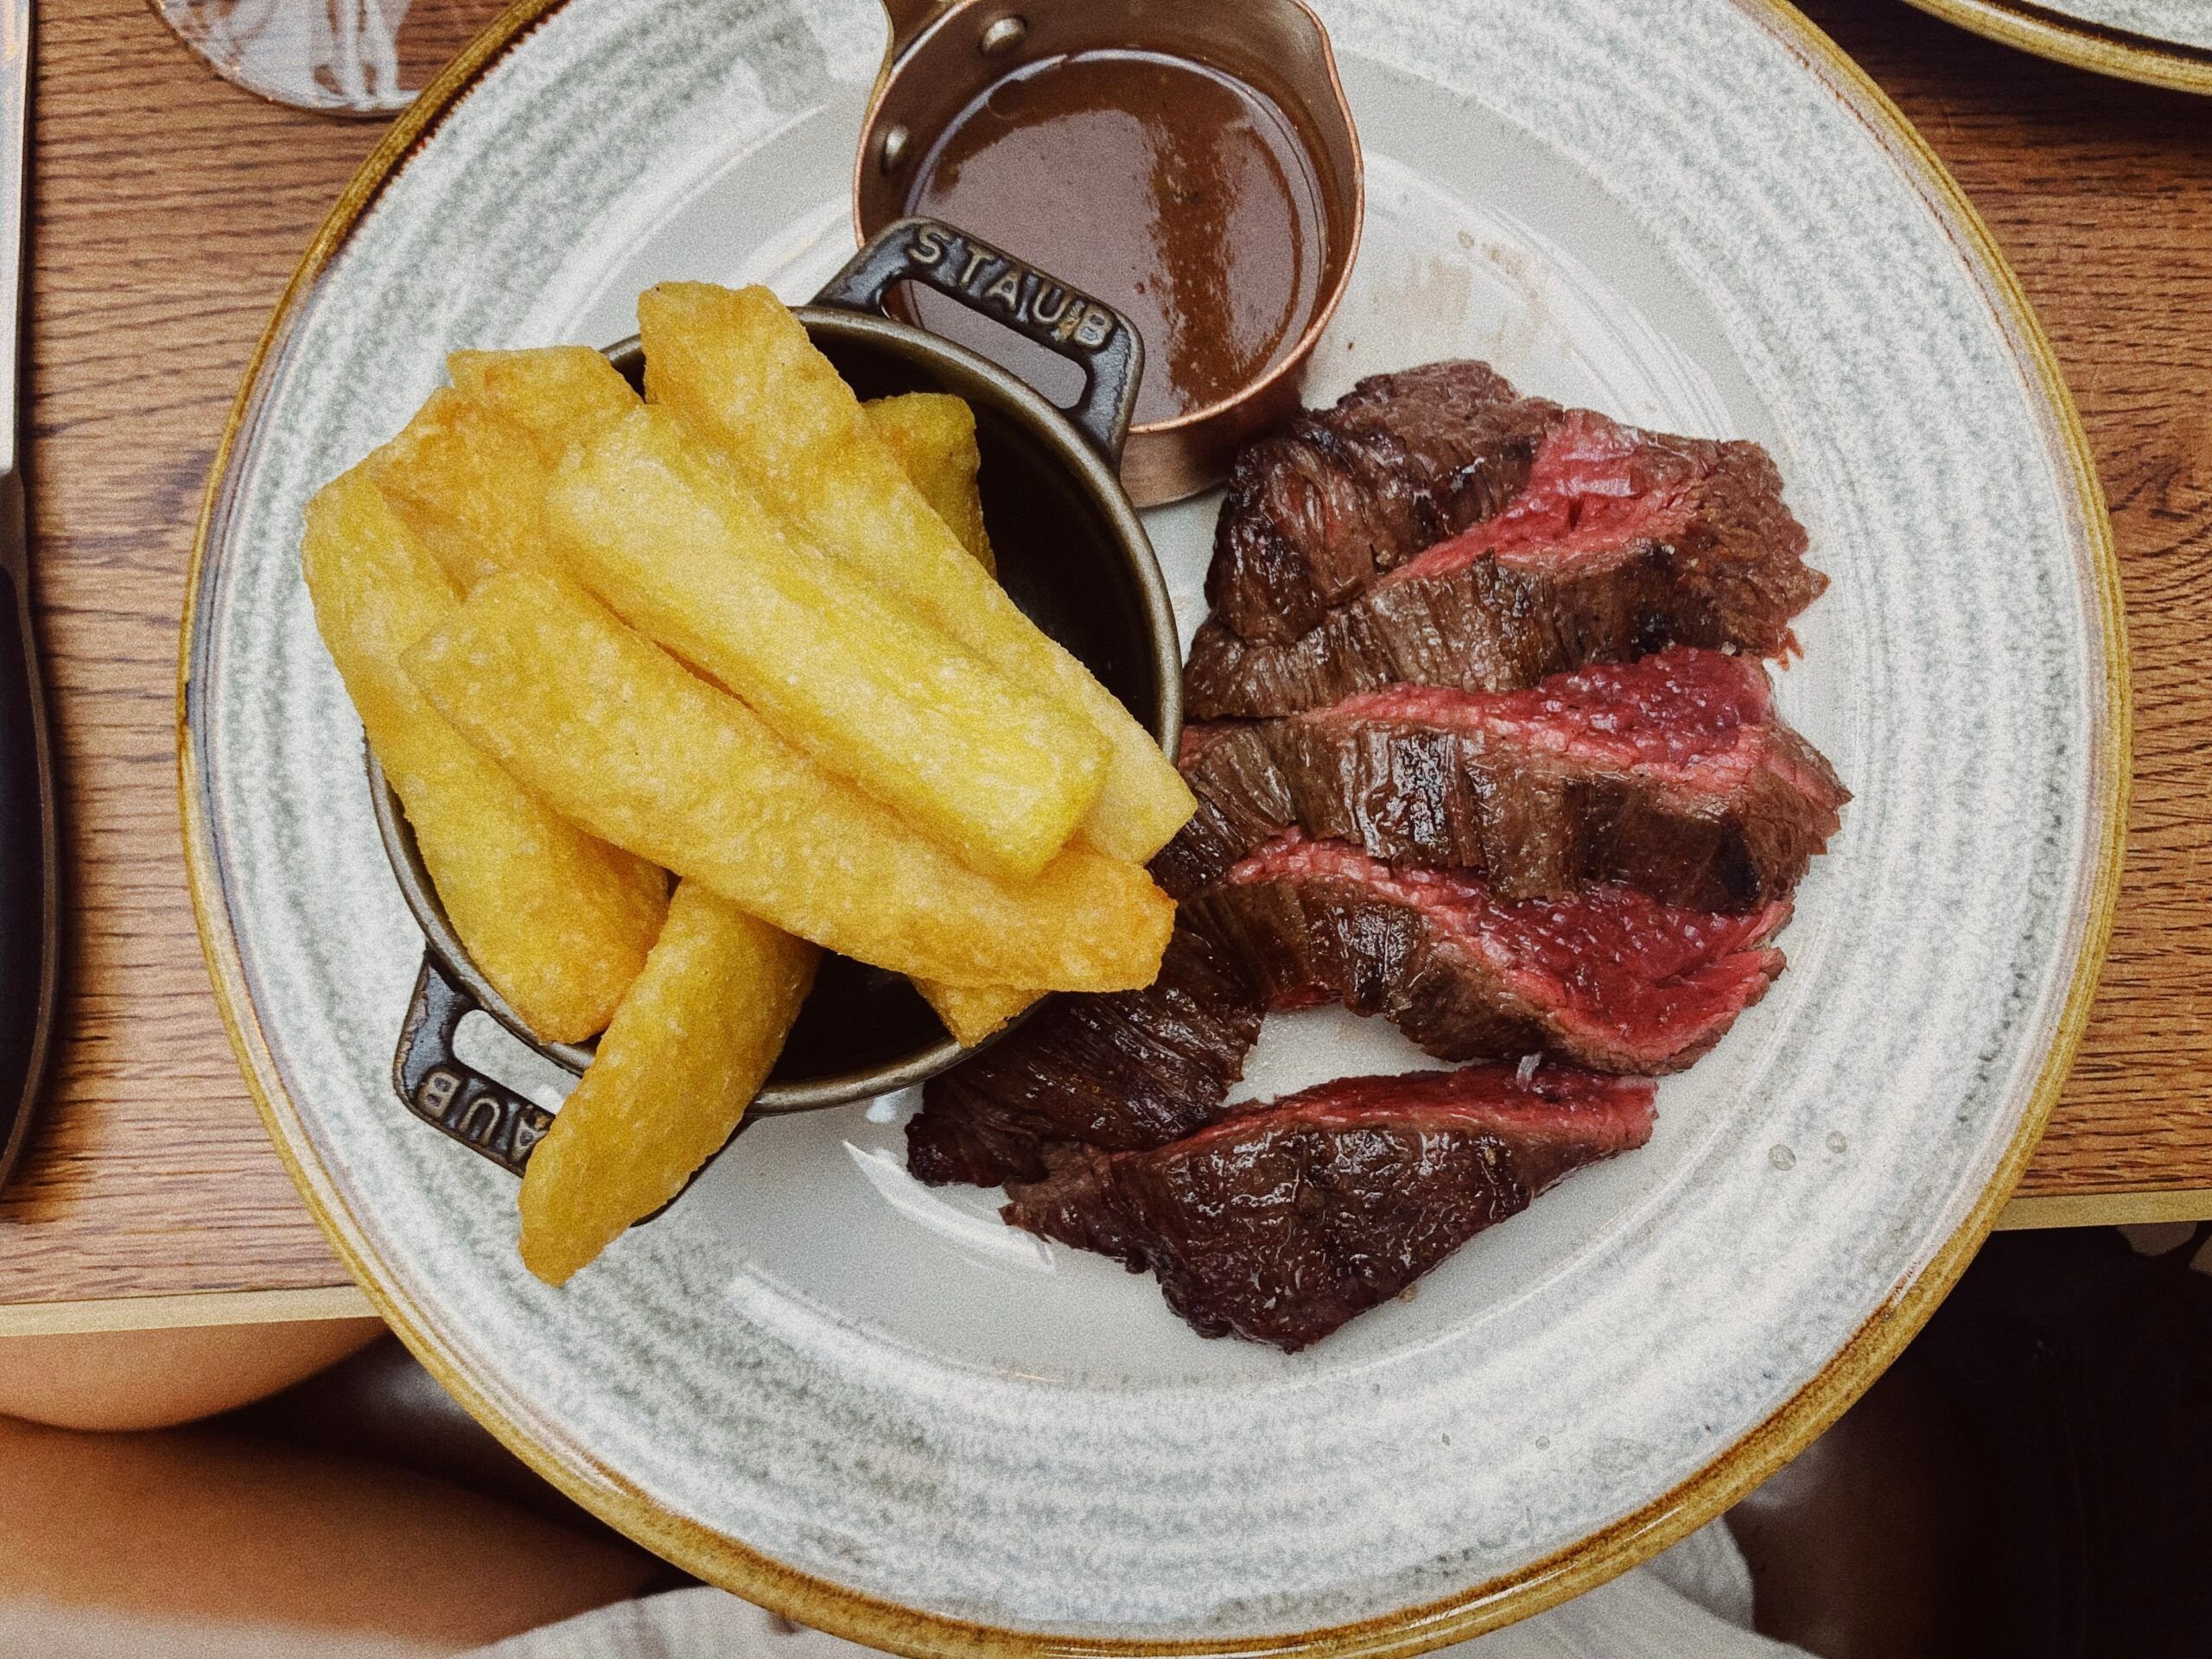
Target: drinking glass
point(339, 57)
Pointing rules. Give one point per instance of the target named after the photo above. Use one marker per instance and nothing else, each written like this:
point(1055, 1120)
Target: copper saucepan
point(943, 56)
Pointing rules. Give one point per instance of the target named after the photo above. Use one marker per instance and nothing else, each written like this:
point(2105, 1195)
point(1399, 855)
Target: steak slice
point(1283, 1222)
point(1672, 773)
point(1611, 978)
point(1623, 542)
point(1315, 512)
point(1132, 1069)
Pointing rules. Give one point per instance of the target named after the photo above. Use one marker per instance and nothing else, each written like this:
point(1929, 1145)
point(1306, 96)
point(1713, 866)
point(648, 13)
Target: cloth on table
point(1693, 1602)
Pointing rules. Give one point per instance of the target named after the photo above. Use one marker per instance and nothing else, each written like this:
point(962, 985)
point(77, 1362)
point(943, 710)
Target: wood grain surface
point(168, 208)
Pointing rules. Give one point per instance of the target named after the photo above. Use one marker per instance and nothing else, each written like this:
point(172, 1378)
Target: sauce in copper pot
point(1180, 197)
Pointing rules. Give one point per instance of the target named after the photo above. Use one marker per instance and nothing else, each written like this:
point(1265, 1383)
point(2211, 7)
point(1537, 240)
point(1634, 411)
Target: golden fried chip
point(469, 483)
point(656, 525)
point(469, 474)
point(740, 366)
point(615, 733)
point(561, 395)
point(559, 923)
point(972, 1012)
point(932, 433)
point(687, 1051)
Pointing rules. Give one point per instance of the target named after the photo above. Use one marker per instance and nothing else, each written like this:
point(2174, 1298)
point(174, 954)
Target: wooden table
point(168, 210)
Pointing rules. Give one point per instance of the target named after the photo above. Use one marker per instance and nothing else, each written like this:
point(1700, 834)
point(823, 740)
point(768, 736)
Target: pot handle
point(1035, 304)
point(907, 19)
point(446, 1092)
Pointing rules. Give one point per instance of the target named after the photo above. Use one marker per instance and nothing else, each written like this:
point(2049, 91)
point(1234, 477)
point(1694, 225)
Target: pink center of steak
point(1611, 960)
point(1595, 486)
point(1673, 714)
point(1607, 1114)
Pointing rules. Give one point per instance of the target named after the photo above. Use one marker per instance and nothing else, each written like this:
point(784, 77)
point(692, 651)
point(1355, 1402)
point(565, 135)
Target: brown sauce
point(1175, 195)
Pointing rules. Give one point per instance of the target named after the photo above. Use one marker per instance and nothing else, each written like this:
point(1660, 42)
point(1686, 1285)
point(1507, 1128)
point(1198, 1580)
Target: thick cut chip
point(972, 1012)
point(740, 367)
point(470, 484)
point(615, 733)
point(687, 1051)
point(661, 529)
point(932, 433)
point(469, 474)
point(560, 923)
point(561, 395)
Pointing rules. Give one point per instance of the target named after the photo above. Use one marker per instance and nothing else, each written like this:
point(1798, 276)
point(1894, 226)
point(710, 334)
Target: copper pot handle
point(1035, 304)
point(908, 18)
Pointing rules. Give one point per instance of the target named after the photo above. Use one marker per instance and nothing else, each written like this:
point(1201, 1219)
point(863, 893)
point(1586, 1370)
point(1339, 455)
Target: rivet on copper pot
point(893, 154)
point(1003, 34)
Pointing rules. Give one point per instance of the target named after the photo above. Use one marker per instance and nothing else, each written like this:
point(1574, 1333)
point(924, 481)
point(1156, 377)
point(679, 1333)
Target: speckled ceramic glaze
point(876, 1409)
point(2165, 42)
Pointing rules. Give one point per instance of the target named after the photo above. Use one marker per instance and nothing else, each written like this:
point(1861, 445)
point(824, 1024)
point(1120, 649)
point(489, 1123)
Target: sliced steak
point(1281, 1223)
point(1610, 978)
point(1316, 512)
point(1622, 543)
point(1672, 773)
point(1133, 1069)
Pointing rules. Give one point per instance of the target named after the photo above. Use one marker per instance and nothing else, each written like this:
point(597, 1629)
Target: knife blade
point(29, 877)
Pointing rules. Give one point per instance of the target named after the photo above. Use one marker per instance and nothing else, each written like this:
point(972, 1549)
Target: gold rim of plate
point(2084, 45)
point(1488, 1605)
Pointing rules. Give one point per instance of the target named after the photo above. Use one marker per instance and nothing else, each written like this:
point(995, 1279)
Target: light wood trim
point(348, 1301)
point(175, 1313)
point(2105, 1210)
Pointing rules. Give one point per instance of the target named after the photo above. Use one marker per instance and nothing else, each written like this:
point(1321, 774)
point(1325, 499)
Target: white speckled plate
point(876, 1410)
point(2164, 42)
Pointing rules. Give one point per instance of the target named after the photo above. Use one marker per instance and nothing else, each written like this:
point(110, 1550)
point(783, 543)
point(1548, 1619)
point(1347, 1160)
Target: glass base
point(336, 57)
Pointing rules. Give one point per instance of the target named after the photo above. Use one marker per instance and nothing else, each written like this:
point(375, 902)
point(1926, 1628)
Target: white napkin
point(1694, 1602)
